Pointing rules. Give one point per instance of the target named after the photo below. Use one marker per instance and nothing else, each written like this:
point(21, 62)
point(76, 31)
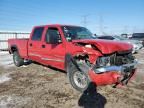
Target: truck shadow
point(91, 99)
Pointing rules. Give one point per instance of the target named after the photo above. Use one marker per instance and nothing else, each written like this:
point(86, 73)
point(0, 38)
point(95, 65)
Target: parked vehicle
point(136, 44)
point(124, 35)
point(73, 49)
point(139, 37)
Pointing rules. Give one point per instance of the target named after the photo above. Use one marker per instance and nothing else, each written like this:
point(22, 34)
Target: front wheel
point(18, 61)
point(78, 76)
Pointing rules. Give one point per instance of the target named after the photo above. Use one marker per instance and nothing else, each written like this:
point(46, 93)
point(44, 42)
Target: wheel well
point(81, 58)
point(13, 49)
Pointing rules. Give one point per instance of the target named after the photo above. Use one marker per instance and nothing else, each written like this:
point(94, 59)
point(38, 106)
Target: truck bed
point(21, 44)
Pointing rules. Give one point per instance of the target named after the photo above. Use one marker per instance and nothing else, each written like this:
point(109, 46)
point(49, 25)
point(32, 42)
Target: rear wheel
point(18, 61)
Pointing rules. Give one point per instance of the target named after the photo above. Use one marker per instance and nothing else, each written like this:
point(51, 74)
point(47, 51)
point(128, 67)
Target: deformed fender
point(68, 59)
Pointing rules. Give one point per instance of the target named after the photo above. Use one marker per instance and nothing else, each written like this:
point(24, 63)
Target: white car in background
point(137, 45)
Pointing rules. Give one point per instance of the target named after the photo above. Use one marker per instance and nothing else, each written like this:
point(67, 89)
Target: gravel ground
point(37, 86)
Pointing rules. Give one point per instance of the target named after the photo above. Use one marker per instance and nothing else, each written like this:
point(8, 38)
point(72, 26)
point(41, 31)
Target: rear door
point(53, 51)
point(34, 45)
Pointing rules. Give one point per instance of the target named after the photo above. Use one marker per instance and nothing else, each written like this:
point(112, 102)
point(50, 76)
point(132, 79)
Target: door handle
point(30, 44)
point(43, 46)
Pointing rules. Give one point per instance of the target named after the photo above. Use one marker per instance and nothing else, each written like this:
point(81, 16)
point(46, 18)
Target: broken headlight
point(103, 61)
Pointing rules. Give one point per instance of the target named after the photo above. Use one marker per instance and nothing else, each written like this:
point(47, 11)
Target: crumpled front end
point(109, 62)
point(117, 68)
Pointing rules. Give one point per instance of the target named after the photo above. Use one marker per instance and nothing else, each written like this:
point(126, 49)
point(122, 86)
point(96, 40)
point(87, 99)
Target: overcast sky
point(100, 16)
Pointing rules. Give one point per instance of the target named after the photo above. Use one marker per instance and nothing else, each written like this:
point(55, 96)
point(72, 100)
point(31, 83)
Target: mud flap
point(69, 61)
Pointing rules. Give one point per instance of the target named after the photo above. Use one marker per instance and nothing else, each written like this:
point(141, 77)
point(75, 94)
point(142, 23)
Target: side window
point(53, 36)
point(37, 34)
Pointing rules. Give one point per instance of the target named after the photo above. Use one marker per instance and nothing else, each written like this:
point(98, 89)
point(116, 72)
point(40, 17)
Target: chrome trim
point(58, 60)
point(37, 55)
point(33, 54)
point(115, 68)
point(59, 56)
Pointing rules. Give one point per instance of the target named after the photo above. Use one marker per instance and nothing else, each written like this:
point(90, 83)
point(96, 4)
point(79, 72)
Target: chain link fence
point(4, 36)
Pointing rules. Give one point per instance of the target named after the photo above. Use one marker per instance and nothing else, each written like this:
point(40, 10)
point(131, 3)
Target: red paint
point(108, 46)
point(105, 78)
point(56, 53)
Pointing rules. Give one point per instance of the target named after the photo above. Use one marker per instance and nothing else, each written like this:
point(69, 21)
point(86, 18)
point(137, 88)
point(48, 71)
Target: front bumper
point(113, 74)
point(121, 68)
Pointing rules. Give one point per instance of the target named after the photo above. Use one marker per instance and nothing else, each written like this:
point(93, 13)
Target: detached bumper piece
point(113, 74)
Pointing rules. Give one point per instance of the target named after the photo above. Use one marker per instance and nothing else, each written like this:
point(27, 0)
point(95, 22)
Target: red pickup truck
point(75, 50)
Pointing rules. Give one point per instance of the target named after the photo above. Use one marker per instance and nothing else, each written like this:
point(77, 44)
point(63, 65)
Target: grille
point(116, 59)
point(121, 59)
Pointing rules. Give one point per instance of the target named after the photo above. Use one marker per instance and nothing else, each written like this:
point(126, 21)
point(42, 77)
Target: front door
point(53, 51)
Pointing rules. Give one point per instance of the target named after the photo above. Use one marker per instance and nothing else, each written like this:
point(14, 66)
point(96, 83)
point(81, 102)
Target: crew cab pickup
point(75, 50)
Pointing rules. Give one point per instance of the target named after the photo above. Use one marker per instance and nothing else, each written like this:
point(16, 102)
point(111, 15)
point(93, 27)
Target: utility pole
point(126, 29)
point(101, 28)
point(134, 29)
point(84, 20)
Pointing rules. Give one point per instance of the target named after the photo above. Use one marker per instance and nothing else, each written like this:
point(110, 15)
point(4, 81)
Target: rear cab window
point(37, 34)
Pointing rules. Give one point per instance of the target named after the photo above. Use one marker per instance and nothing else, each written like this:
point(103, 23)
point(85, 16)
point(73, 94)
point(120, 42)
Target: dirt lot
point(36, 86)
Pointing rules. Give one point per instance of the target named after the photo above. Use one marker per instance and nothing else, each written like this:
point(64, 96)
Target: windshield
point(74, 33)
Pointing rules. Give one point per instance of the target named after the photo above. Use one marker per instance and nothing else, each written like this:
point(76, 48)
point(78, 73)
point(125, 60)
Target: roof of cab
point(55, 25)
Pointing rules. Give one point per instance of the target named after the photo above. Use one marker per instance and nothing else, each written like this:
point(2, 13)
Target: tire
point(18, 61)
point(82, 71)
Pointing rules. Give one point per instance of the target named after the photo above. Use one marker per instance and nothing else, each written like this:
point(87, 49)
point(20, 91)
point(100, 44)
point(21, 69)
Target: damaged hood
point(106, 46)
